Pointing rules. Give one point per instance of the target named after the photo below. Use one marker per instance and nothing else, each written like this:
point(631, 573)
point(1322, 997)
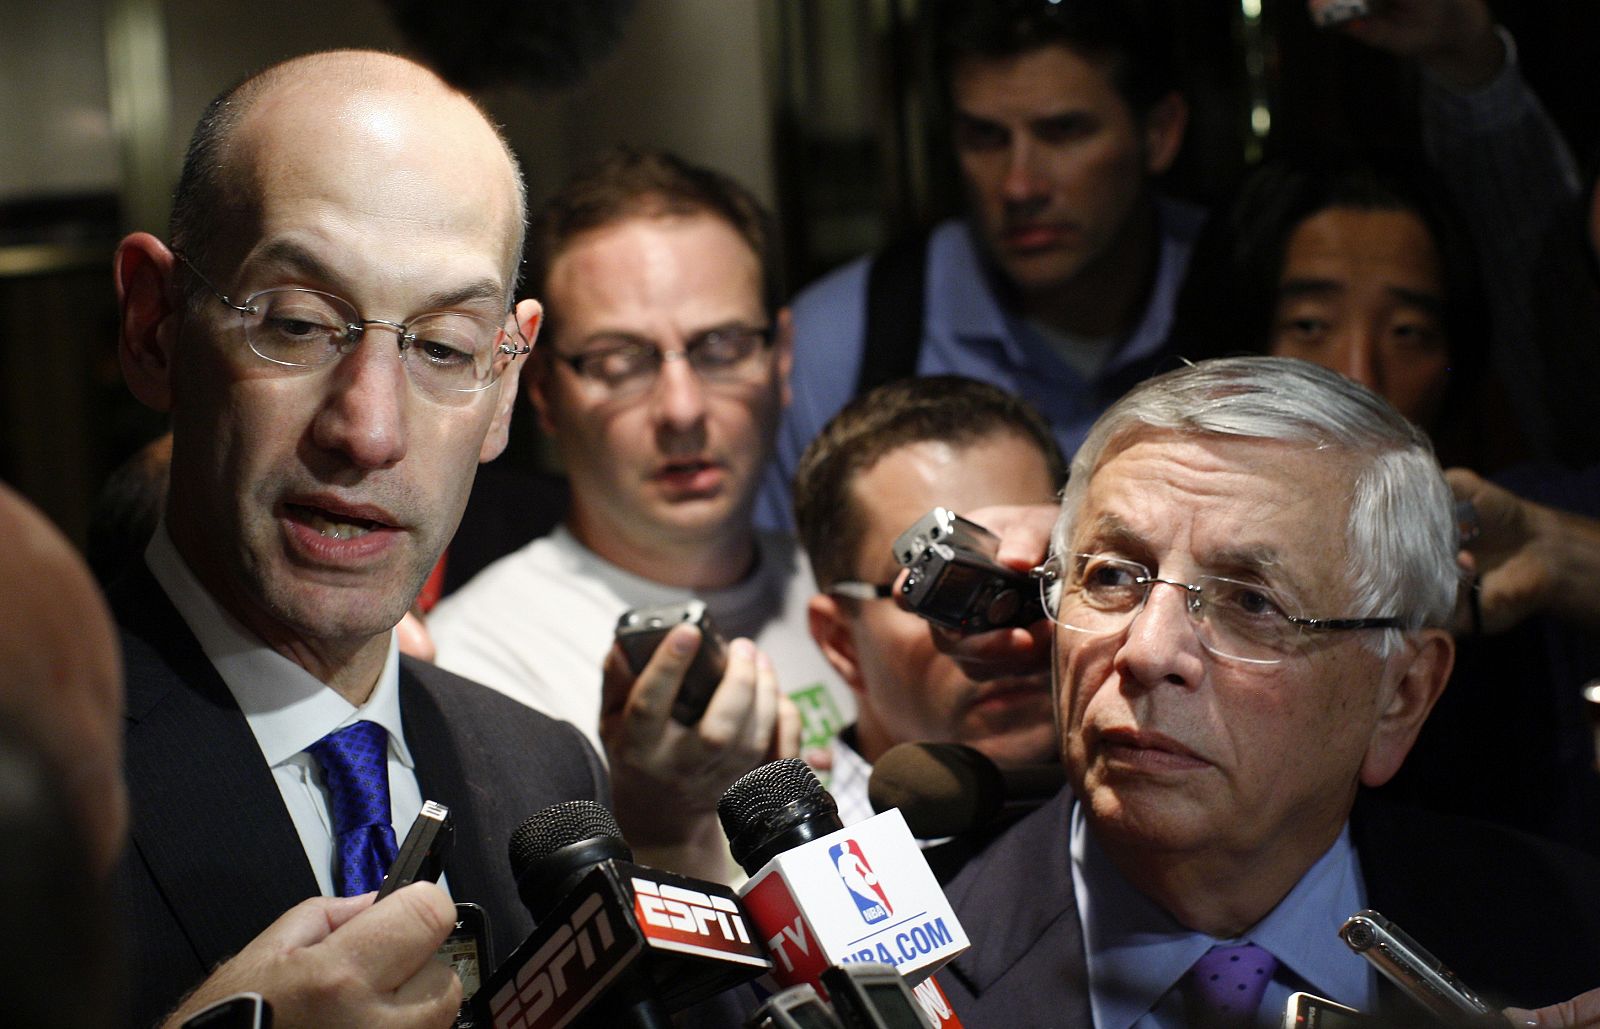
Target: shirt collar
point(287, 708)
point(969, 303)
point(1136, 952)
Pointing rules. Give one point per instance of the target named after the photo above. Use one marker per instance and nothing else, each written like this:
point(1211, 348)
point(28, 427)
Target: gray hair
point(1401, 532)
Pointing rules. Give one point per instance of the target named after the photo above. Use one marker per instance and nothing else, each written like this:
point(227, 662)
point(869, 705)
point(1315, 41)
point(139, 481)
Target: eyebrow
point(628, 336)
point(298, 259)
point(1109, 530)
point(1290, 289)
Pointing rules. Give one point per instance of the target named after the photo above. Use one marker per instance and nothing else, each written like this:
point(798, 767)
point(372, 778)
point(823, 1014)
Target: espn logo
point(855, 871)
point(664, 906)
point(574, 965)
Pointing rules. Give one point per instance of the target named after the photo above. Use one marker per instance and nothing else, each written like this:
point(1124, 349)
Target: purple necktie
point(355, 768)
point(1224, 987)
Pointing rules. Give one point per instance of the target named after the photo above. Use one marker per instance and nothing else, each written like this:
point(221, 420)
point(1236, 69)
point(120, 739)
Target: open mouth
point(331, 525)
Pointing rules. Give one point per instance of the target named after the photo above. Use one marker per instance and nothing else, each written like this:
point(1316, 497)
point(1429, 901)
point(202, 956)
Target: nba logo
point(862, 882)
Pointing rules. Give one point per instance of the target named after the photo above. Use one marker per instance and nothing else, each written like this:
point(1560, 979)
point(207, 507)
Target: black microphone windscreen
point(774, 807)
point(942, 789)
point(559, 844)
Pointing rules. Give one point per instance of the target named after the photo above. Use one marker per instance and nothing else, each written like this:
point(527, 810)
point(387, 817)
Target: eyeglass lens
point(1101, 595)
point(444, 353)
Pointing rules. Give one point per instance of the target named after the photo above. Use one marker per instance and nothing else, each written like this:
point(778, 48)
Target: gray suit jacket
point(214, 857)
point(1516, 917)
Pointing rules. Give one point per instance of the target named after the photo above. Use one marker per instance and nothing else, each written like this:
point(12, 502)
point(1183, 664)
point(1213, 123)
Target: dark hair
point(205, 188)
point(947, 408)
point(1133, 38)
point(627, 183)
point(1231, 291)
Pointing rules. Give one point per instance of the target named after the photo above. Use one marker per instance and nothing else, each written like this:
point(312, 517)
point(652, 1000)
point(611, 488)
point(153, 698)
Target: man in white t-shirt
point(661, 378)
point(880, 464)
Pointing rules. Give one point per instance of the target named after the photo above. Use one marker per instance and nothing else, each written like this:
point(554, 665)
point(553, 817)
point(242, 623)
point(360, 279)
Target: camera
point(954, 579)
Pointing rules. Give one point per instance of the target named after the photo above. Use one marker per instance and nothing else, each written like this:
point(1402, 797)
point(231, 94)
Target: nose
point(1161, 644)
point(1022, 182)
point(678, 398)
point(363, 416)
point(1356, 356)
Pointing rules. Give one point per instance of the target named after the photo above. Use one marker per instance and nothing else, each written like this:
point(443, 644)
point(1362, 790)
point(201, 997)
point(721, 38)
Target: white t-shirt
point(537, 623)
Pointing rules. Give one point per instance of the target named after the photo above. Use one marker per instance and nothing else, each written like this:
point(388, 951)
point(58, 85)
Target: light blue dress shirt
point(1138, 954)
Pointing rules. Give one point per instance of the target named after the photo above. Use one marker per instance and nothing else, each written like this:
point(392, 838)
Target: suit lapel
point(442, 777)
point(208, 820)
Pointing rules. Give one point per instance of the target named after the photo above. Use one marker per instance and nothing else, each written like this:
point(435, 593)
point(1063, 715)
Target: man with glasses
point(884, 461)
point(1249, 585)
point(334, 332)
point(663, 373)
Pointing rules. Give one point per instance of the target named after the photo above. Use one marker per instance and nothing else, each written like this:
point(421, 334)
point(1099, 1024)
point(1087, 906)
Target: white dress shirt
point(288, 709)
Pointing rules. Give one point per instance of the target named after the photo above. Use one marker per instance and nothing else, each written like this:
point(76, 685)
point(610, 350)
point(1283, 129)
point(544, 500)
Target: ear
point(833, 631)
point(1164, 126)
point(783, 349)
point(1423, 670)
point(149, 314)
point(528, 314)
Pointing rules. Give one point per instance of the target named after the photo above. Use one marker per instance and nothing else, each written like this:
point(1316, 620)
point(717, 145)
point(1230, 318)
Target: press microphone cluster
point(948, 789)
point(616, 944)
point(821, 895)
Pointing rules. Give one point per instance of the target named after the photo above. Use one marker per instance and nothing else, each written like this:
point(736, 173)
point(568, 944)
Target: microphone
point(947, 789)
point(616, 944)
point(822, 895)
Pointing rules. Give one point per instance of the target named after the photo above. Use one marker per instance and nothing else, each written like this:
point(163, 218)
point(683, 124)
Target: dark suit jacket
point(214, 857)
point(1517, 918)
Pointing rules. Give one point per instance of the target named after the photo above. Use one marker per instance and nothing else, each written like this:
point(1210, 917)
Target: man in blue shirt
point(1251, 577)
point(1060, 282)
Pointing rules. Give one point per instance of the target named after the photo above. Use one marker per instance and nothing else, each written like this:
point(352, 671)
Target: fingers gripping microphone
point(617, 944)
point(946, 789)
point(820, 894)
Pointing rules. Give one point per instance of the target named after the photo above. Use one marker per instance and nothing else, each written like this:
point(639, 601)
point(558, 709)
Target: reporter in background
point(664, 370)
point(334, 333)
point(888, 458)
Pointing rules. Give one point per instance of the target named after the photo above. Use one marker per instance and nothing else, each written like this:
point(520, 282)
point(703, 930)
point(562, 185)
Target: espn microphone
point(820, 894)
point(947, 789)
point(616, 944)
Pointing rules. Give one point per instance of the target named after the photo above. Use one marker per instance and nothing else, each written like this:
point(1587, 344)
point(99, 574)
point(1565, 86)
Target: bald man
point(332, 328)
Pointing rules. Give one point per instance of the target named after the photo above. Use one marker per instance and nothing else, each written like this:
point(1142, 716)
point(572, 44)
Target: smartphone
point(467, 951)
point(422, 854)
point(1308, 1011)
point(1421, 975)
point(240, 1011)
point(640, 630)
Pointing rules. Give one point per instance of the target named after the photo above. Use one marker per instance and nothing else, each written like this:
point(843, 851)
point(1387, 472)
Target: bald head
point(62, 680)
point(369, 101)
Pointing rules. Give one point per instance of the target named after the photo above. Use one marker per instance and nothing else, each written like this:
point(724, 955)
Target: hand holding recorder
point(344, 961)
point(667, 774)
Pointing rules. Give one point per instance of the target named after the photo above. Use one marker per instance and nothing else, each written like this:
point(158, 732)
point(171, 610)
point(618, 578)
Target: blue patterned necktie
point(355, 769)
point(1224, 987)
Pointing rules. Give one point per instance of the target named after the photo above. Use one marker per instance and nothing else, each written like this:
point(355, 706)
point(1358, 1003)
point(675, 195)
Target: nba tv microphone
point(947, 789)
point(820, 894)
point(616, 944)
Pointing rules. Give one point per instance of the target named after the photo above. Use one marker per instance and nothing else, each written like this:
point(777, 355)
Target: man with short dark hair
point(1059, 283)
point(888, 458)
point(661, 381)
point(1252, 574)
point(335, 336)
